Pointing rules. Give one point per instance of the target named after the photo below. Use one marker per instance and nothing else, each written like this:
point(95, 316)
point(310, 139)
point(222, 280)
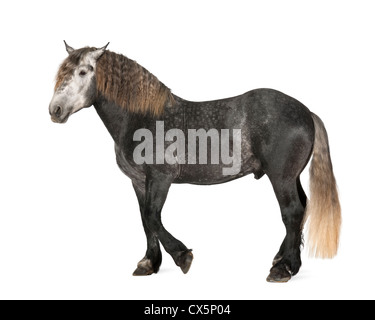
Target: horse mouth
point(60, 120)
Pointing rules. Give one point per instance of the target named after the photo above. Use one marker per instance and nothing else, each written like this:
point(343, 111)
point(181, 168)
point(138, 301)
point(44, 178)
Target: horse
point(273, 135)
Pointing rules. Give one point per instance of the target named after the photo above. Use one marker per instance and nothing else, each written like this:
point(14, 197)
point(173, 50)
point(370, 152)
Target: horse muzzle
point(58, 115)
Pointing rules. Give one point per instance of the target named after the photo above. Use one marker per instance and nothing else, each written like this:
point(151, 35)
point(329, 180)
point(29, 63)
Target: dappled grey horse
point(162, 139)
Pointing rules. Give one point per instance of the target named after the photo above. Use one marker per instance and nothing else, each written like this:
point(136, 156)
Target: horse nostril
point(58, 111)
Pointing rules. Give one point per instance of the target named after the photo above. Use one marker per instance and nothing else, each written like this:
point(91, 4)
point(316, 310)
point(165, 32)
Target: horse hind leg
point(288, 260)
point(303, 199)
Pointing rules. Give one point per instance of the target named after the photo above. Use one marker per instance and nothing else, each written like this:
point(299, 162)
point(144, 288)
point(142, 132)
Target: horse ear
point(68, 48)
point(99, 52)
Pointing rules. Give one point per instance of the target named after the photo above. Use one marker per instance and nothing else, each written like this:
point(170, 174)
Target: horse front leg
point(152, 260)
point(157, 187)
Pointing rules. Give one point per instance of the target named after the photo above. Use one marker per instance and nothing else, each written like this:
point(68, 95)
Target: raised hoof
point(144, 268)
point(184, 260)
point(279, 274)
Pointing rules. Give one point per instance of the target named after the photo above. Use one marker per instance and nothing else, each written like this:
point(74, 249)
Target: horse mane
point(122, 81)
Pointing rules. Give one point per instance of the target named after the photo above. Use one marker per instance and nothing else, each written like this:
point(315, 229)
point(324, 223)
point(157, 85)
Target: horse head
point(75, 87)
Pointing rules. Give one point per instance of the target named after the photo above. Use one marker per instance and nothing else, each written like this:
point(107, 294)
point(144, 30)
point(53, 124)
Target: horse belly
point(207, 174)
point(220, 117)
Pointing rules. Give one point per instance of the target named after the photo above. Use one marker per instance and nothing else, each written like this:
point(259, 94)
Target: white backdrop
point(69, 221)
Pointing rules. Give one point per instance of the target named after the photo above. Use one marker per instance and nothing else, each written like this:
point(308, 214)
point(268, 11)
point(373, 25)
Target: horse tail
point(323, 210)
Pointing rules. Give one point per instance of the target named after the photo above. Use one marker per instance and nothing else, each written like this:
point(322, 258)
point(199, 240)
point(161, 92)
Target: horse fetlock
point(277, 259)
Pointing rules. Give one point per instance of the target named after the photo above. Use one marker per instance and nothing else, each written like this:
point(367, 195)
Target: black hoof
point(279, 274)
point(144, 268)
point(184, 260)
point(142, 272)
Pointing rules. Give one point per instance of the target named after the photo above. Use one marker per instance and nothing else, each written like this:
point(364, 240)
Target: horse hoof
point(279, 274)
point(142, 272)
point(144, 268)
point(184, 260)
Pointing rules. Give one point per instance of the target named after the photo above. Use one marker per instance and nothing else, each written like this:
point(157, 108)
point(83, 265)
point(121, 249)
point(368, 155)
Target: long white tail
point(323, 209)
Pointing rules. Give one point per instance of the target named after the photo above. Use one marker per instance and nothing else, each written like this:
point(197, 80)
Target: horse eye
point(82, 73)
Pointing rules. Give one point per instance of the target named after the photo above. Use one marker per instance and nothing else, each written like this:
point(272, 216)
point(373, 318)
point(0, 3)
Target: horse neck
point(112, 115)
point(118, 120)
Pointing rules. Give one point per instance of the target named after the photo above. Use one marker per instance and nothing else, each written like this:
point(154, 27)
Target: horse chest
point(129, 169)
